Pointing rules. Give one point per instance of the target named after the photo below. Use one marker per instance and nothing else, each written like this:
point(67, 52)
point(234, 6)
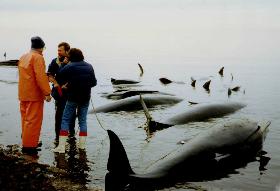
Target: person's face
point(61, 51)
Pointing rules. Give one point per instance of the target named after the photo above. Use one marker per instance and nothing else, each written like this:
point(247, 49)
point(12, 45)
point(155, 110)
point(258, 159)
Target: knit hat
point(37, 42)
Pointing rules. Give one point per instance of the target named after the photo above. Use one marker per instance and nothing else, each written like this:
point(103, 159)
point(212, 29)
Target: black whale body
point(203, 112)
point(242, 138)
point(194, 114)
point(133, 103)
point(123, 81)
point(129, 93)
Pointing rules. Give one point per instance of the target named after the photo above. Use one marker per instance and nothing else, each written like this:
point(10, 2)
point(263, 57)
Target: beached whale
point(129, 93)
point(239, 137)
point(123, 81)
point(194, 114)
point(204, 112)
point(133, 103)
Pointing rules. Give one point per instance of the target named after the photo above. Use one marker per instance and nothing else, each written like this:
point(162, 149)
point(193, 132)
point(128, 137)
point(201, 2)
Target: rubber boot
point(82, 142)
point(61, 145)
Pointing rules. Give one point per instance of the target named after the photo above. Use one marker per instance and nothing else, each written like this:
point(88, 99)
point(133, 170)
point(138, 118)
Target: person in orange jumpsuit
point(33, 89)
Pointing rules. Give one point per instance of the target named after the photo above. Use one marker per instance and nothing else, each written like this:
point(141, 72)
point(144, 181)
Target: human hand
point(55, 84)
point(51, 78)
point(66, 60)
point(48, 98)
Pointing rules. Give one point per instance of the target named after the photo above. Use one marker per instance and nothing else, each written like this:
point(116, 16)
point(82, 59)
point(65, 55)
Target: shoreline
point(9, 63)
point(23, 172)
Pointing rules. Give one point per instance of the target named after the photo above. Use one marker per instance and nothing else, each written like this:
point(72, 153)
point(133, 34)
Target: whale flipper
point(141, 69)
point(192, 103)
point(152, 125)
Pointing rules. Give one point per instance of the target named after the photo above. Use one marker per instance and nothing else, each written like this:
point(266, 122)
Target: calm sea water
point(176, 40)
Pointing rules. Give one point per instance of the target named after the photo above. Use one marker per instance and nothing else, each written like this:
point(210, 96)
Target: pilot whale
point(123, 81)
point(203, 112)
point(133, 103)
point(194, 114)
point(117, 95)
point(239, 137)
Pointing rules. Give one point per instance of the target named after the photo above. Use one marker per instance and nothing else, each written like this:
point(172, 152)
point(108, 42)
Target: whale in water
point(239, 137)
point(133, 103)
point(123, 81)
point(117, 95)
point(194, 114)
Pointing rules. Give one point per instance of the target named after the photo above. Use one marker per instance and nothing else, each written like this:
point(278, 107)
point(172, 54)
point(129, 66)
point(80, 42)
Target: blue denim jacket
point(80, 78)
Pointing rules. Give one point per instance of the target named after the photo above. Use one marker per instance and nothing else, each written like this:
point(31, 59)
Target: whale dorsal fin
point(118, 162)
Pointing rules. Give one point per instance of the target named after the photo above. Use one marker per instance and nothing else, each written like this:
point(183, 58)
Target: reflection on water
point(200, 170)
point(263, 160)
point(75, 162)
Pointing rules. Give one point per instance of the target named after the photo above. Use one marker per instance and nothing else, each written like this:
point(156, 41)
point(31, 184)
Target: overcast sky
point(132, 4)
point(146, 28)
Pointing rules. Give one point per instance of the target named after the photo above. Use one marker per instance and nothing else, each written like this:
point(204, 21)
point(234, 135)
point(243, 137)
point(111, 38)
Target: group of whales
point(232, 141)
point(206, 85)
point(124, 93)
point(128, 99)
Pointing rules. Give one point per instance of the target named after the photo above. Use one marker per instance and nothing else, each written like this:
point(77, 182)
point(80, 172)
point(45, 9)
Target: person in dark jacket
point(80, 78)
point(58, 93)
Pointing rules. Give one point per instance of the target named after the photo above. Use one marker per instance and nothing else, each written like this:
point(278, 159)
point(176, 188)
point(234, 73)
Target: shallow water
point(261, 96)
point(177, 40)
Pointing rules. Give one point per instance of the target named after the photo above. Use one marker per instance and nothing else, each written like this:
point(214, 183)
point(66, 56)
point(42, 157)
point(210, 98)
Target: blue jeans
point(68, 114)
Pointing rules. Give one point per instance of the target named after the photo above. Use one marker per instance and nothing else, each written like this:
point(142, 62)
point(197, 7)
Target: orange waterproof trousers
point(31, 122)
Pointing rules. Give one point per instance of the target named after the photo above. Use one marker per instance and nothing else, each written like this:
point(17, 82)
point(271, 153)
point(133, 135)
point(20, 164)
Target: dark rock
point(9, 63)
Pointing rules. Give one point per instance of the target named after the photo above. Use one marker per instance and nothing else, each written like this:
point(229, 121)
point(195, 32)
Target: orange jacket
point(33, 80)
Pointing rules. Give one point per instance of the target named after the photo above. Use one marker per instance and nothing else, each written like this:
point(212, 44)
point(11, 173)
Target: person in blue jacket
point(79, 78)
point(58, 92)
